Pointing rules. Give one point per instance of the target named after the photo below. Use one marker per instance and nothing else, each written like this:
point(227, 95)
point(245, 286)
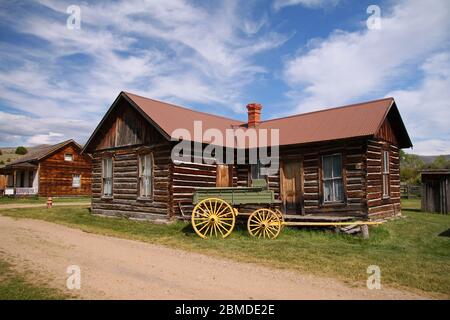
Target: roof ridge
point(44, 150)
point(184, 108)
point(328, 109)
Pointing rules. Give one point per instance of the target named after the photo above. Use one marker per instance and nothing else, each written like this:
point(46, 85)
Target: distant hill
point(8, 153)
point(430, 159)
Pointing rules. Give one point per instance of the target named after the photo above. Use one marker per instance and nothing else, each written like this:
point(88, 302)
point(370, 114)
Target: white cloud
point(431, 147)
point(50, 138)
point(349, 67)
point(20, 129)
point(279, 4)
point(172, 50)
point(426, 108)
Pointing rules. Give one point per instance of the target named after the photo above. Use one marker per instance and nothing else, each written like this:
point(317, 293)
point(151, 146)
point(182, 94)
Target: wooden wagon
point(215, 211)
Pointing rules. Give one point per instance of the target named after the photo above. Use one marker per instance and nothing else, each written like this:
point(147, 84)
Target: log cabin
point(50, 170)
point(342, 161)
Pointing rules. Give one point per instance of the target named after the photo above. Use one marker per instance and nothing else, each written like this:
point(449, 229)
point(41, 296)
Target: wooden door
point(224, 177)
point(291, 192)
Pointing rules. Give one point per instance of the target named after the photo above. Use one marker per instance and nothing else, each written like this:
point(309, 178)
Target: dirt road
point(113, 268)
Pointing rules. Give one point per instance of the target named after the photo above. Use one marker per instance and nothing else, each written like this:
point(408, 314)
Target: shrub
point(21, 150)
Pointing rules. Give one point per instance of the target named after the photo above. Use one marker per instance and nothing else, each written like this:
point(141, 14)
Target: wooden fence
point(410, 191)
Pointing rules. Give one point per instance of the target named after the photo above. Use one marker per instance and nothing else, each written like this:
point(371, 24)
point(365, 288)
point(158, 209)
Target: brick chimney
point(254, 114)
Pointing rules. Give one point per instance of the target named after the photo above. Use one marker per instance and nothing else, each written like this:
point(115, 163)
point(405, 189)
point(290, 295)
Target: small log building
point(336, 162)
point(55, 170)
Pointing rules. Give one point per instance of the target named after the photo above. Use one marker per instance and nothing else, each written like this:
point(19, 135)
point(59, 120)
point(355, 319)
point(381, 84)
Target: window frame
point(385, 174)
point(332, 179)
point(107, 196)
point(79, 181)
point(149, 196)
point(68, 154)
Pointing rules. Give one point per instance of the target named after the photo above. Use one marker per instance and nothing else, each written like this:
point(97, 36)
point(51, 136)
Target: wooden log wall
point(379, 207)
point(188, 175)
point(56, 174)
point(125, 200)
point(353, 161)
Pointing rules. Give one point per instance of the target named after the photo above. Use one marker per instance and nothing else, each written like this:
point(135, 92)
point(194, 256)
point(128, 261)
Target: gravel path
point(113, 268)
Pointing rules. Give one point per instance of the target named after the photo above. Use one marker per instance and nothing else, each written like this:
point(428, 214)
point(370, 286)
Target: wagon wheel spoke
point(201, 214)
point(205, 226)
point(217, 211)
point(268, 230)
point(198, 224)
point(226, 223)
point(220, 227)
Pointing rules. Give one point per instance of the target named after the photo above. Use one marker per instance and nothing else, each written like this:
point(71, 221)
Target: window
point(76, 181)
point(107, 172)
point(385, 174)
point(68, 157)
point(333, 188)
point(145, 175)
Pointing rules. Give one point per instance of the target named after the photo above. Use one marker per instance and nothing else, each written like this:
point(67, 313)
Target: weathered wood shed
point(337, 162)
point(436, 190)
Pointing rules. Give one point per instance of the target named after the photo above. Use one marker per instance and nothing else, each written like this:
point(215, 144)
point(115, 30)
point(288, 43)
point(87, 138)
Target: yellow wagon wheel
point(280, 216)
point(264, 223)
point(213, 217)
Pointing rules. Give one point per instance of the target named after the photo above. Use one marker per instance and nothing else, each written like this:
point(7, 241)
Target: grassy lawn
point(15, 286)
point(42, 200)
point(409, 251)
point(412, 204)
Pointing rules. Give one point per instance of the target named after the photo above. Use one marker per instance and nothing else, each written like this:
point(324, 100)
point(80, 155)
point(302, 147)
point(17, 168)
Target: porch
point(21, 179)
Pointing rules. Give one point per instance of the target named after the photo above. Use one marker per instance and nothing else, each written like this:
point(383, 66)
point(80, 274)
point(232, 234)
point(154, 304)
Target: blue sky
point(292, 56)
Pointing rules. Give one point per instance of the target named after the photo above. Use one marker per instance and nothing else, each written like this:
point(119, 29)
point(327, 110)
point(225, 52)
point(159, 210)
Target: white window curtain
point(333, 187)
point(76, 181)
point(145, 175)
point(385, 174)
point(107, 176)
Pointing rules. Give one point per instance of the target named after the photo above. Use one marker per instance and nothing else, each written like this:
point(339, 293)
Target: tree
point(2, 162)
point(1, 152)
point(410, 167)
point(21, 150)
point(440, 162)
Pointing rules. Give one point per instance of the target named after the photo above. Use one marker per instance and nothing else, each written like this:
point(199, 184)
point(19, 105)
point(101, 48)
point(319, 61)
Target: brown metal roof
point(170, 117)
point(357, 120)
point(41, 151)
point(351, 121)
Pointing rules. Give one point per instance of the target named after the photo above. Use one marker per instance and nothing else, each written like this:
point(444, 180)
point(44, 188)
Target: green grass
point(412, 204)
point(409, 251)
point(15, 286)
point(41, 200)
